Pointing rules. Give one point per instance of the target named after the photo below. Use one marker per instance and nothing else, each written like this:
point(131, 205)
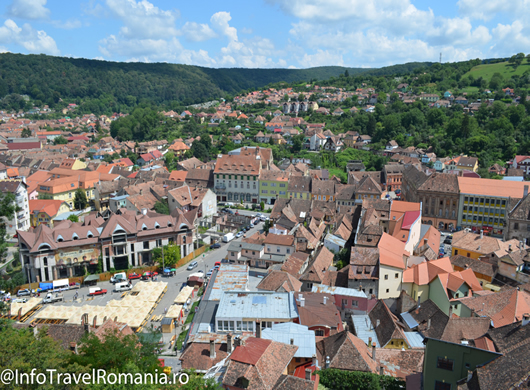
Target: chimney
point(325, 299)
point(482, 234)
point(419, 302)
point(510, 248)
point(302, 302)
point(428, 324)
point(369, 342)
point(258, 329)
point(229, 342)
point(381, 371)
point(292, 341)
point(373, 350)
point(327, 362)
point(525, 192)
point(308, 374)
point(212, 348)
point(378, 322)
point(526, 319)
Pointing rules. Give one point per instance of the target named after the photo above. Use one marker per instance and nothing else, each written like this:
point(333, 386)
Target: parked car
point(192, 265)
point(448, 241)
point(209, 273)
point(263, 218)
point(134, 275)
point(215, 246)
point(23, 292)
point(96, 291)
point(239, 234)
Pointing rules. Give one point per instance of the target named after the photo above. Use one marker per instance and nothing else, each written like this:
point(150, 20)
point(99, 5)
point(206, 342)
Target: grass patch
point(180, 340)
point(486, 71)
point(203, 229)
point(192, 313)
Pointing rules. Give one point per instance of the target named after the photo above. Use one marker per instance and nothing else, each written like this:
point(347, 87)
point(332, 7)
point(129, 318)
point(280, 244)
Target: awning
point(91, 278)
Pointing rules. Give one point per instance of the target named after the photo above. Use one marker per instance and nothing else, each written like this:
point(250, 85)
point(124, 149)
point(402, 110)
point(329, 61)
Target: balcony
point(220, 186)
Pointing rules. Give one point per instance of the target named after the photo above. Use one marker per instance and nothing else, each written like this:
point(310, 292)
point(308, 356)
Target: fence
point(103, 277)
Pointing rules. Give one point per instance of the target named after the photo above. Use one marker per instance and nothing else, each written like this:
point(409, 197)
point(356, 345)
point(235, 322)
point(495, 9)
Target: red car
point(97, 291)
point(134, 275)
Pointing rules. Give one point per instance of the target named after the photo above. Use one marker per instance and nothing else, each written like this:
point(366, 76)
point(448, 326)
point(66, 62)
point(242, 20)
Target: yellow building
point(43, 211)
point(73, 164)
point(61, 184)
point(474, 245)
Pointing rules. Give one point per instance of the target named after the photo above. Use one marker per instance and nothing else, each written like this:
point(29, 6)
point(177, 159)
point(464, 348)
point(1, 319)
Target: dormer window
point(144, 227)
point(60, 238)
point(169, 224)
point(157, 225)
point(89, 234)
point(75, 236)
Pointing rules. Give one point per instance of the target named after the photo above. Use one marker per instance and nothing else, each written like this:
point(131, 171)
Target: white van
point(123, 286)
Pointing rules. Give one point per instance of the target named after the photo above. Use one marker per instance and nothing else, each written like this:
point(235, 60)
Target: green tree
point(162, 207)
point(171, 255)
point(21, 350)
point(60, 140)
point(74, 218)
point(26, 133)
point(8, 208)
point(116, 352)
point(80, 200)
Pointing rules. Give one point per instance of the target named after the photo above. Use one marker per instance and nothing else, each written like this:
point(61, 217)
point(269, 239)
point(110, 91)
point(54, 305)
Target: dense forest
point(104, 85)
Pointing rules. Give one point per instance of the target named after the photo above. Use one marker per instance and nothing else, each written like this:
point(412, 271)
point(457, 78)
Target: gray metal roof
point(229, 277)
point(275, 258)
point(335, 239)
point(415, 339)
point(302, 337)
point(333, 290)
point(409, 320)
point(237, 246)
point(363, 328)
point(257, 304)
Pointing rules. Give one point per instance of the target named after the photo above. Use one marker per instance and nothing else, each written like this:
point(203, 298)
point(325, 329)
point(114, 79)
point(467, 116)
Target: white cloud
point(68, 25)
point(246, 30)
point(488, 9)
point(220, 21)
point(153, 50)
point(26, 36)
point(142, 20)
point(196, 32)
point(511, 39)
point(28, 9)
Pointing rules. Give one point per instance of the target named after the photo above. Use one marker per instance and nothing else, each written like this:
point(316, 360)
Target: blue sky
point(267, 33)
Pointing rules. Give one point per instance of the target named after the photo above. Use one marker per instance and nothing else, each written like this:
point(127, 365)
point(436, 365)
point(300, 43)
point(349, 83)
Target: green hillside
point(115, 85)
point(506, 70)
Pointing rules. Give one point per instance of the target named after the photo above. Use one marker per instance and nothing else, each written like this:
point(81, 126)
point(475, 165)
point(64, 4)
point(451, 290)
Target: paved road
point(175, 283)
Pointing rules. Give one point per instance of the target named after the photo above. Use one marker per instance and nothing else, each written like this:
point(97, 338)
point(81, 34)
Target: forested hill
point(46, 79)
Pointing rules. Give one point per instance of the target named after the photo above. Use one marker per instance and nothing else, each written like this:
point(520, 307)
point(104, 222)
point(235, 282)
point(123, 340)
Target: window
point(445, 364)
point(319, 332)
point(282, 185)
point(288, 250)
point(396, 276)
point(387, 290)
point(344, 302)
point(273, 184)
point(442, 386)
point(386, 277)
point(225, 325)
point(264, 191)
point(219, 325)
point(356, 303)
point(264, 184)
point(231, 325)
